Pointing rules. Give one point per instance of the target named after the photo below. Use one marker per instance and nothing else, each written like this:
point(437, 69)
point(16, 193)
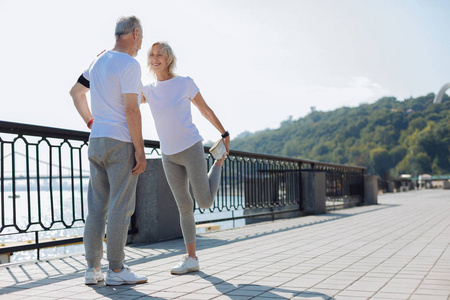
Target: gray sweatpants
point(112, 197)
point(189, 166)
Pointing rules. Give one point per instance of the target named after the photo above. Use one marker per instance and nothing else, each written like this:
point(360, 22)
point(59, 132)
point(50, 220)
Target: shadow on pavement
point(253, 290)
point(121, 292)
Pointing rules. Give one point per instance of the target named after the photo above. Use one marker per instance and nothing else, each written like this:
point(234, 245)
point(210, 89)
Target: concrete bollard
point(446, 185)
point(157, 217)
point(370, 190)
point(313, 192)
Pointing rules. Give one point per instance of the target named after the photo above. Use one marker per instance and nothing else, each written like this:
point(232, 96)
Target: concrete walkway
point(398, 249)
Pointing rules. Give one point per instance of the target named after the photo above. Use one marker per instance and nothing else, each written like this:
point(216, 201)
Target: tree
point(380, 161)
point(423, 162)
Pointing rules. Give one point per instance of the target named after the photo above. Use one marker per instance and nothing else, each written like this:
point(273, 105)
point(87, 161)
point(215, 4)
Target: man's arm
point(134, 122)
point(78, 93)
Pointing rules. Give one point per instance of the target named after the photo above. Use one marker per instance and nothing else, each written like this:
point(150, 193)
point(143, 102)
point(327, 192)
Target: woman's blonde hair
point(167, 51)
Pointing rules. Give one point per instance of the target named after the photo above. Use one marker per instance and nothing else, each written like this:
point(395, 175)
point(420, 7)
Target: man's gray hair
point(126, 25)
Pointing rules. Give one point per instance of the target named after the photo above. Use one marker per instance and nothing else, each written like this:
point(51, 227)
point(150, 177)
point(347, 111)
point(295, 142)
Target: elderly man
point(116, 150)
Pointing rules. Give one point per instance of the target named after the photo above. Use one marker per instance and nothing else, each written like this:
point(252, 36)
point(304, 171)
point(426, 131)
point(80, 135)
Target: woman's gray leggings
point(189, 166)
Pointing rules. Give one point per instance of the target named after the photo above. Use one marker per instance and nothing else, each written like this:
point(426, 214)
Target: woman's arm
point(209, 114)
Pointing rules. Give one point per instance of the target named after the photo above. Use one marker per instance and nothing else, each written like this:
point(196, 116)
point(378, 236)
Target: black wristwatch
point(225, 134)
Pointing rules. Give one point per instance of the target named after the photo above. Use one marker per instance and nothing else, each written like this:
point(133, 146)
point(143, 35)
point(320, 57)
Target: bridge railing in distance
point(44, 176)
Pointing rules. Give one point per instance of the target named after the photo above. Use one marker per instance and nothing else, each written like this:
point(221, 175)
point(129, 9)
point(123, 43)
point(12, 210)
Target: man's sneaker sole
point(196, 269)
point(125, 282)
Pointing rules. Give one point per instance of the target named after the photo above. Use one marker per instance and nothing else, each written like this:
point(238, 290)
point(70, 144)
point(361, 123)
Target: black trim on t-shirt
point(83, 81)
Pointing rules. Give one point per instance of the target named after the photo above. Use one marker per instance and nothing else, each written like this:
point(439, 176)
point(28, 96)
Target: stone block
point(370, 189)
point(156, 214)
point(313, 192)
point(446, 185)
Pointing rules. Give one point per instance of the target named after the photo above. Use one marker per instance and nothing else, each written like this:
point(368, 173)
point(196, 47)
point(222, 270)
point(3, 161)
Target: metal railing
point(254, 185)
point(44, 175)
point(344, 186)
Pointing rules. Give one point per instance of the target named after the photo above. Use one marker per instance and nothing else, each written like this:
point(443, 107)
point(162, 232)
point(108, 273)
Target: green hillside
point(410, 136)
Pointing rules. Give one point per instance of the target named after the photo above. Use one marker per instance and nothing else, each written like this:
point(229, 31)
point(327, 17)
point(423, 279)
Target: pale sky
point(256, 62)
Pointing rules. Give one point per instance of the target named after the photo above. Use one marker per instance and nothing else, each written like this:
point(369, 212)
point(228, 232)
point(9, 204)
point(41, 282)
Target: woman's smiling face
point(158, 61)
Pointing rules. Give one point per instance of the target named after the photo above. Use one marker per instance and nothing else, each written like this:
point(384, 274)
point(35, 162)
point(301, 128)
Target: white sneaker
point(125, 276)
point(218, 150)
point(93, 276)
point(186, 265)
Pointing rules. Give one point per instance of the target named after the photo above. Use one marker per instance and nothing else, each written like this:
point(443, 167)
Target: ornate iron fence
point(44, 175)
point(254, 185)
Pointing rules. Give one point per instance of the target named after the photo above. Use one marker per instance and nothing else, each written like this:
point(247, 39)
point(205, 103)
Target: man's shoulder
point(124, 57)
point(124, 62)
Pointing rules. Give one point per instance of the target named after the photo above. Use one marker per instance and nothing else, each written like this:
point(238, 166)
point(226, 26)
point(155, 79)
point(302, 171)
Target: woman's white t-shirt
point(170, 104)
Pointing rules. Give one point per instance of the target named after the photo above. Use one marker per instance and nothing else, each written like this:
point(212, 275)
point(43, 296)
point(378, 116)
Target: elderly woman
point(170, 99)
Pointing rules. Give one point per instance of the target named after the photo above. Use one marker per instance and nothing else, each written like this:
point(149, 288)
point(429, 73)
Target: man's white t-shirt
point(170, 104)
point(110, 76)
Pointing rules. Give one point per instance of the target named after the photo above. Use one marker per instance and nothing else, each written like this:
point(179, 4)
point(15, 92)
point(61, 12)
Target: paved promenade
point(398, 249)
